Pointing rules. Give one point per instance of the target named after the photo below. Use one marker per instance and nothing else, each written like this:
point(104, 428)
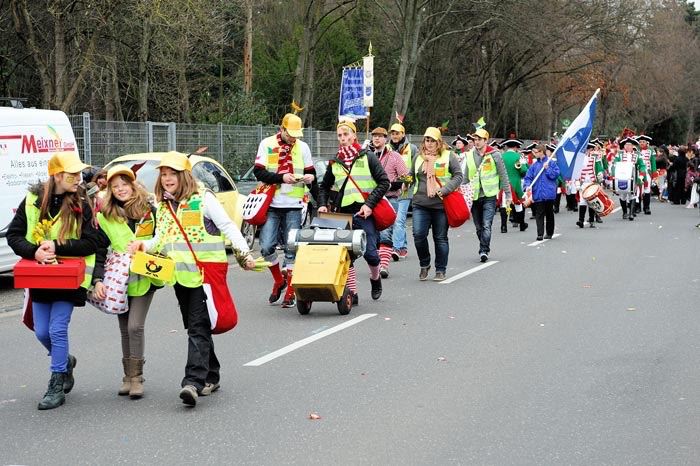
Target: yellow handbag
point(154, 266)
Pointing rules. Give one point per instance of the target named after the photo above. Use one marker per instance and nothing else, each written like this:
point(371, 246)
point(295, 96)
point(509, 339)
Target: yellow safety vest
point(441, 165)
point(485, 177)
point(271, 148)
point(360, 173)
point(32, 212)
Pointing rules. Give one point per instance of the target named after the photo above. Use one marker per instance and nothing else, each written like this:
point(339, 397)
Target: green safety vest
point(209, 248)
point(362, 176)
point(120, 235)
point(485, 177)
point(442, 169)
point(32, 212)
point(271, 148)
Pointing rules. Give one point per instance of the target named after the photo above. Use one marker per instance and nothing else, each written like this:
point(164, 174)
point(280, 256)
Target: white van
point(28, 138)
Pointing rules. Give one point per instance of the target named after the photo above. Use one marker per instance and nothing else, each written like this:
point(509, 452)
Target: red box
point(67, 274)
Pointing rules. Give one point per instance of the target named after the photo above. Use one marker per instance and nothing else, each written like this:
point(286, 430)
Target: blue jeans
point(483, 210)
point(399, 230)
point(386, 236)
point(371, 255)
point(423, 220)
point(51, 329)
point(287, 219)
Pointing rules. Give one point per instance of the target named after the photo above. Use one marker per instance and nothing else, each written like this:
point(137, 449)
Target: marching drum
point(623, 177)
point(597, 199)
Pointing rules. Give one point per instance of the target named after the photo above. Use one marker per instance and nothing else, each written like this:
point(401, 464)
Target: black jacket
point(84, 246)
point(327, 196)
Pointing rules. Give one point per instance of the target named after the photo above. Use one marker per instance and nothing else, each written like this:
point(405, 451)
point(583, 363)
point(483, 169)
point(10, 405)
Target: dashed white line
point(468, 272)
point(298, 344)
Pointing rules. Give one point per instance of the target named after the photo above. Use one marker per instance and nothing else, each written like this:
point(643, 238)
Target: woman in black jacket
point(676, 177)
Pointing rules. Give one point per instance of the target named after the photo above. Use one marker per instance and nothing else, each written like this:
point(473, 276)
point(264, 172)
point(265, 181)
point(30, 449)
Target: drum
point(623, 177)
point(597, 199)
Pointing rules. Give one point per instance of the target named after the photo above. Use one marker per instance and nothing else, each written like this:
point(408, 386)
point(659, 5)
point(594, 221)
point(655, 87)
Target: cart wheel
point(304, 307)
point(345, 303)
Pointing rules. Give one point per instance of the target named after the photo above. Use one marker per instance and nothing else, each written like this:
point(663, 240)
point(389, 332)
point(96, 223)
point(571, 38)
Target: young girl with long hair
point(127, 215)
point(205, 222)
point(59, 205)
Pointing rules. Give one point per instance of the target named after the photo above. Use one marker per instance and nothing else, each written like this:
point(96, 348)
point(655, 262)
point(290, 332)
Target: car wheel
point(248, 232)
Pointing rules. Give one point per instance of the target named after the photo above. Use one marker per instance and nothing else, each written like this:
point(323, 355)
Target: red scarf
point(347, 154)
point(284, 162)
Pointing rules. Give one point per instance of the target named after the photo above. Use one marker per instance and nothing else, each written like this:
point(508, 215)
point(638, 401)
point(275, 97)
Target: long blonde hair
point(70, 213)
point(186, 186)
point(134, 208)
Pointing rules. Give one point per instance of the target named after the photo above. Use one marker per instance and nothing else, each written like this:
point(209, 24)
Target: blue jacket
point(545, 188)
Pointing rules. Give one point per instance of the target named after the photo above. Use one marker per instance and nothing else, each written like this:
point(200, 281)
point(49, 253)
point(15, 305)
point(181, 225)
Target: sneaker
point(277, 289)
point(384, 273)
point(423, 276)
point(289, 302)
point(580, 224)
point(188, 395)
point(210, 388)
point(395, 255)
point(403, 253)
point(376, 288)
point(439, 276)
point(483, 257)
point(540, 238)
point(523, 226)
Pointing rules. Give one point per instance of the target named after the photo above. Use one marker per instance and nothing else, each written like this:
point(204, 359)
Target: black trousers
point(544, 213)
point(202, 363)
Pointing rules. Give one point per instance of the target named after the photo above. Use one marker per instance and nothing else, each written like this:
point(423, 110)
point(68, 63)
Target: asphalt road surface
point(579, 350)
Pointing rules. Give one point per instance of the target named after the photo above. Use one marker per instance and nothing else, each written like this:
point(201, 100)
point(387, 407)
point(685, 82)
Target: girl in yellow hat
point(55, 220)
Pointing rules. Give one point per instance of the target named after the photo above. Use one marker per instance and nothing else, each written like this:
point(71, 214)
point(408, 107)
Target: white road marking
point(298, 344)
point(535, 243)
point(468, 272)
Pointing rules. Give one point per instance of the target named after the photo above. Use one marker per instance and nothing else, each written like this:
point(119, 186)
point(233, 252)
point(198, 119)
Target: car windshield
point(146, 172)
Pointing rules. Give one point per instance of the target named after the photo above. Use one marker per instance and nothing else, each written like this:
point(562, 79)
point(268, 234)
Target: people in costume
point(283, 160)
point(436, 173)
point(516, 169)
point(462, 146)
point(55, 220)
point(399, 143)
point(591, 172)
point(630, 195)
point(541, 179)
point(360, 165)
point(488, 176)
point(396, 170)
point(191, 227)
point(648, 154)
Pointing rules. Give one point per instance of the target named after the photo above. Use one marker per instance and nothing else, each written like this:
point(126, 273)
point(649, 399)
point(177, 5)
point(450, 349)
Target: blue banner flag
point(352, 94)
point(572, 147)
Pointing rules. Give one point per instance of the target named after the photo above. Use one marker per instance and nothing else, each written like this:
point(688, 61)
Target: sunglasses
point(72, 177)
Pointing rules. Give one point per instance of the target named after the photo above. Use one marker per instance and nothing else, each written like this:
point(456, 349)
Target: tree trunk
point(59, 41)
point(408, 62)
point(24, 27)
point(303, 75)
point(183, 87)
point(144, 53)
point(248, 49)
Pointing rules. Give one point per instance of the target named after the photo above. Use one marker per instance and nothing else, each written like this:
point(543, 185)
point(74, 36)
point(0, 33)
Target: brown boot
point(126, 380)
point(136, 378)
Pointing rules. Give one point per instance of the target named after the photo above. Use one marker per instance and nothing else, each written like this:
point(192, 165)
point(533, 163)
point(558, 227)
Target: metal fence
point(100, 141)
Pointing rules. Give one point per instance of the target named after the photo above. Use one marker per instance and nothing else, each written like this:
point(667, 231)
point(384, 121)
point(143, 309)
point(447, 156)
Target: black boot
point(69, 380)
point(376, 288)
point(581, 215)
point(504, 220)
point(623, 204)
point(631, 210)
point(54, 396)
point(646, 201)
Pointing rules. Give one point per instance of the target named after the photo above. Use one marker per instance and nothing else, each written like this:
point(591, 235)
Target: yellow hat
point(348, 124)
point(292, 124)
point(68, 162)
point(120, 170)
point(397, 127)
point(433, 132)
point(481, 133)
point(176, 161)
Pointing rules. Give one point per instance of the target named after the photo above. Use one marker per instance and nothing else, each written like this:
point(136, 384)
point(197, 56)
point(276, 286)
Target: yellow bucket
point(153, 266)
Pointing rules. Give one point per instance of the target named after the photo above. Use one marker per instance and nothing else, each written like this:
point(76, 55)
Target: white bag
point(116, 282)
point(468, 193)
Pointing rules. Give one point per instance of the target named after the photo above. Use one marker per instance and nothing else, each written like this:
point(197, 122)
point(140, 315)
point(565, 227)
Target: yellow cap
point(348, 124)
point(397, 127)
point(176, 161)
point(120, 170)
point(481, 133)
point(292, 124)
point(68, 162)
point(433, 132)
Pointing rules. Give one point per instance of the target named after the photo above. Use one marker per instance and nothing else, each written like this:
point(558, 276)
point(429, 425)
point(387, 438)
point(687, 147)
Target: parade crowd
point(80, 212)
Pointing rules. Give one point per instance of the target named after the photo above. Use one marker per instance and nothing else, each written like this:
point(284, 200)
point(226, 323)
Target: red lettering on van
point(28, 144)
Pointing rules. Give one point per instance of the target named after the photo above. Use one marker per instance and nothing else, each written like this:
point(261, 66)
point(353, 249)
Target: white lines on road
point(535, 243)
point(468, 272)
point(306, 341)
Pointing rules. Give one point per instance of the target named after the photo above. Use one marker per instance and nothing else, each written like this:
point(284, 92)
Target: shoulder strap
point(182, 230)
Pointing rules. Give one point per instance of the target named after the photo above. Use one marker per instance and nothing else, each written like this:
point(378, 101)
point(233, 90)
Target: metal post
point(149, 135)
point(220, 137)
point(172, 136)
point(87, 147)
point(260, 133)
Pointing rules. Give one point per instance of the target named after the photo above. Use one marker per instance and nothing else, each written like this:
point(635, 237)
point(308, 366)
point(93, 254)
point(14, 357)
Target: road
point(579, 350)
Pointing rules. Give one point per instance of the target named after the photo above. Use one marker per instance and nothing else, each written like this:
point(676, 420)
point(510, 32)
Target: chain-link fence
point(100, 141)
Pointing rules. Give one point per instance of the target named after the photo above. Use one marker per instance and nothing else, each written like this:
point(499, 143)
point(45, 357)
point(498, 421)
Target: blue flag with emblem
point(572, 146)
point(352, 92)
